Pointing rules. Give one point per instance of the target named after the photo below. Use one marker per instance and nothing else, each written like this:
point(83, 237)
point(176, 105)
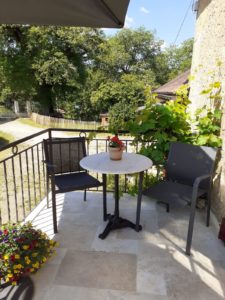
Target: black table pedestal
point(115, 221)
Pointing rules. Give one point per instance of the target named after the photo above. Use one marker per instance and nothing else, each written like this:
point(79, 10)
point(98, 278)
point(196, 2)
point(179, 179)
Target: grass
point(5, 139)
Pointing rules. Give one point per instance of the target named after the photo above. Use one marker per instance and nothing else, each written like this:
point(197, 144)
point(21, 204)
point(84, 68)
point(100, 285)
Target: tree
point(120, 114)
point(129, 89)
point(46, 64)
point(129, 52)
point(179, 58)
point(81, 70)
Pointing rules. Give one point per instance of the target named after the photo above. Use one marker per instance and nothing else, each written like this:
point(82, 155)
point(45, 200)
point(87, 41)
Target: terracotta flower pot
point(115, 153)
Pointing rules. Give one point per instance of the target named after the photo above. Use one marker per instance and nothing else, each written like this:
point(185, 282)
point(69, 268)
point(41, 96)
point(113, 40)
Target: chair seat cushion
point(75, 181)
point(169, 191)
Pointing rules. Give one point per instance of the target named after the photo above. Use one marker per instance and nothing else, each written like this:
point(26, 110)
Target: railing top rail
point(86, 130)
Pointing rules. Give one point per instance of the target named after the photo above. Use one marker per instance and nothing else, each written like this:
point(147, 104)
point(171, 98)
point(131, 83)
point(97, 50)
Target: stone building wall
point(208, 65)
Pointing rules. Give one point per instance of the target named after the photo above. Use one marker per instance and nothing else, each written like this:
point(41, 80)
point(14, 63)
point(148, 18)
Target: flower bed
point(23, 250)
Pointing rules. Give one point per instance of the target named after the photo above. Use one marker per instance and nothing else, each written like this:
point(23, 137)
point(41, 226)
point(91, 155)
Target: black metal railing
point(23, 175)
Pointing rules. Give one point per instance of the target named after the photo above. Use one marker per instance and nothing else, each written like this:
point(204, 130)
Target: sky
point(164, 17)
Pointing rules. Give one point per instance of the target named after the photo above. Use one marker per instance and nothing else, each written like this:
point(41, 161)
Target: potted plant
point(116, 148)
point(23, 250)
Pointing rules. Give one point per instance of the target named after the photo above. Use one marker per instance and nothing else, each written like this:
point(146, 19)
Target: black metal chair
point(63, 172)
point(189, 172)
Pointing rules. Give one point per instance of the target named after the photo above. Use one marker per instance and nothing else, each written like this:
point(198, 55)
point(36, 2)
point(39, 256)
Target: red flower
point(5, 231)
point(115, 142)
point(12, 257)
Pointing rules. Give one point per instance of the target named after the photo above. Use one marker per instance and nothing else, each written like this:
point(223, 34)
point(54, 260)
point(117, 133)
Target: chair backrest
point(66, 154)
point(187, 162)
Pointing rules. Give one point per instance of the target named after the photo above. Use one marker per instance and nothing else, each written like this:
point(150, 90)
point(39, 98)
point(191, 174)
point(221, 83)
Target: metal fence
point(23, 175)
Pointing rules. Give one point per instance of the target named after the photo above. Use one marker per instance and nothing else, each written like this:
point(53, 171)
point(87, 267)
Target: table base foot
point(117, 223)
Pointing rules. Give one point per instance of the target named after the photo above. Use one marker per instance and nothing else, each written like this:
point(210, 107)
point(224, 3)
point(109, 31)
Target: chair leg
point(191, 222)
point(138, 227)
point(54, 211)
point(166, 204)
point(47, 186)
point(208, 209)
point(104, 197)
point(85, 195)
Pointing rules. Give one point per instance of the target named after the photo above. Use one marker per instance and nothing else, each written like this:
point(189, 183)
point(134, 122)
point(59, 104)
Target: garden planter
point(222, 230)
point(115, 153)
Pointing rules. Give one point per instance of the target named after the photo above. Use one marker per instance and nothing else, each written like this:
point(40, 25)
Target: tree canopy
point(83, 71)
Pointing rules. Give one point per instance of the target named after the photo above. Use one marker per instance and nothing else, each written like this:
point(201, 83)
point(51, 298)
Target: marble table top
point(130, 163)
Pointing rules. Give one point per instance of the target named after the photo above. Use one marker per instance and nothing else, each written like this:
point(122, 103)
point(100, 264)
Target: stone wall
point(208, 65)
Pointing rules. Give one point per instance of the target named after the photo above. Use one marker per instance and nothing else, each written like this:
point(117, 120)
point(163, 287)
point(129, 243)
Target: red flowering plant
point(115, 142)
point(23, 250)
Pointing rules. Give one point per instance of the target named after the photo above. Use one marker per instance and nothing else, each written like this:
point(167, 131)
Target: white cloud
point(144, 10)
point(128, 22)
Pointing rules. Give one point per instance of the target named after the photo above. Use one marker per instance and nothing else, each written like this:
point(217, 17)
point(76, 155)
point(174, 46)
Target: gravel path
point(19, 130)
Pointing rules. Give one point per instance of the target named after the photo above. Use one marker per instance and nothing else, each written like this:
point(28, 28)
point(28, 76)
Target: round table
point(129, 164)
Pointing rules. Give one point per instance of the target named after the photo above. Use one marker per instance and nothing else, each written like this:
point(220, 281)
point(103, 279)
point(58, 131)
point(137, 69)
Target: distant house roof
point(168, 90)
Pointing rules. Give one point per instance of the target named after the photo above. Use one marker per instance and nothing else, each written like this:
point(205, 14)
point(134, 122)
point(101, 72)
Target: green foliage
point(80, 70)
point(129, 52)
point(209, 119)
point(120, 113)
point(158, 125)
point(132, 186)
point(129, 89)
point(179, 58)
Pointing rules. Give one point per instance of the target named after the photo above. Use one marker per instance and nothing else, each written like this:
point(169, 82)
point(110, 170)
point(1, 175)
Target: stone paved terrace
point(126, 265)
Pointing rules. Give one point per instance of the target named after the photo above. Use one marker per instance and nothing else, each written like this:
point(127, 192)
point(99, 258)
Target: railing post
point(52, 177)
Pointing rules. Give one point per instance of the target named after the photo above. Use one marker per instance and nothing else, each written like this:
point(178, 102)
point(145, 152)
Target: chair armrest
point(196, 186)
point(199, 179)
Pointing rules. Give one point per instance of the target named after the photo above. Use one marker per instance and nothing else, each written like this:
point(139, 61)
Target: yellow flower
point(34, 254)
point(28, 261)
point(44, 259)
point(17, 256)
point(32, 270)
point(14, 283)
point(19, 266)
point(16, 271)
point(25, 247)
point(10, 275)
point(36, 265)
point(6, 257)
